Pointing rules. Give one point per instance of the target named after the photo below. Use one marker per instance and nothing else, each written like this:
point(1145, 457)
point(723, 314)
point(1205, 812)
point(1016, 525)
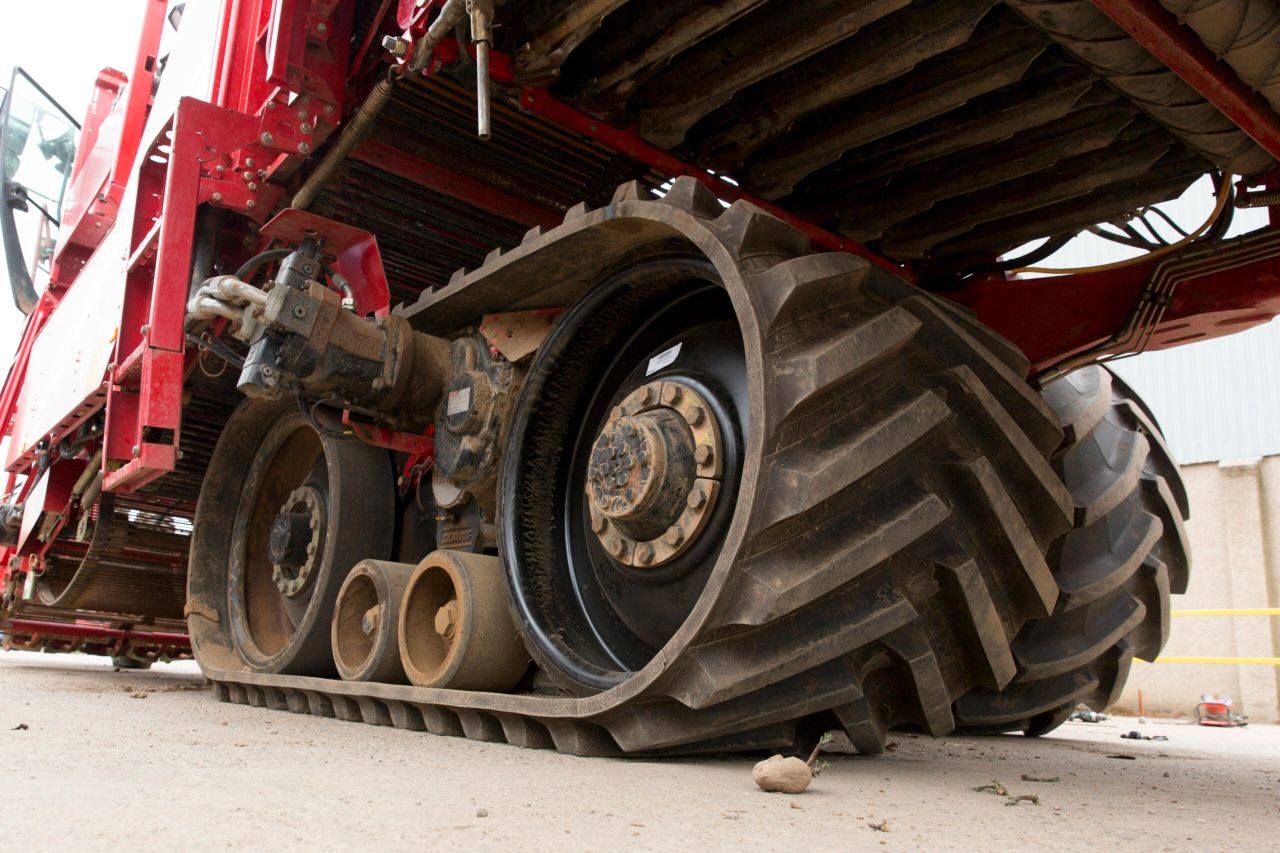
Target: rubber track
point(894, 542)
point(1116, 568)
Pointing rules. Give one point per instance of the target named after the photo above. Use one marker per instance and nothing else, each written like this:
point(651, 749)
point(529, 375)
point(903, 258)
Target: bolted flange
point(654, 474)
point(296, 539)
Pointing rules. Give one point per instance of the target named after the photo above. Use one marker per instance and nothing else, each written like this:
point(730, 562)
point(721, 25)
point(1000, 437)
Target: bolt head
point(266, 137)
point(674, 535)
point(321, 28)
point(137, 451)
point(599, 523)
point(697, 498)
point(303, 147)
point(217, 196)
point(251, 204)
point(644, 553)
point(703, 454)
point(695, 416)
point(671, 394)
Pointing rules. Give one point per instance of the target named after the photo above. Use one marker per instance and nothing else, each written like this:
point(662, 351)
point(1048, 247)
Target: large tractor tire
point(1126, 552)
point(872, 540)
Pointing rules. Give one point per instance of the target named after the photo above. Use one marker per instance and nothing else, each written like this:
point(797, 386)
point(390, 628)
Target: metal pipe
point(482, 34)
point(90, 471)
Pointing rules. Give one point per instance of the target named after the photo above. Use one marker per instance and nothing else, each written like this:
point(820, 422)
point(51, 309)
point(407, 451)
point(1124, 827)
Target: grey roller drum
point(1126, 552)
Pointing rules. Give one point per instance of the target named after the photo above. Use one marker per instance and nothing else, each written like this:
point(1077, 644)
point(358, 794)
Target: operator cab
point(37, 149)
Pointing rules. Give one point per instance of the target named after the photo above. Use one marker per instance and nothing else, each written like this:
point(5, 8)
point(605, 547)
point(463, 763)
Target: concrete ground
point(134, 760)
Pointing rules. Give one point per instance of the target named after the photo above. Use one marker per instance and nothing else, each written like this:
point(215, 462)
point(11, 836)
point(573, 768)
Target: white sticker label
point(459, 402)
point(662, 359)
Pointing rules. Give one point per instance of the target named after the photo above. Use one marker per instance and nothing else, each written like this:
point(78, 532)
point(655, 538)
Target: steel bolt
point(598, 523)
point(369, 623)
point(321, 28)
point(248, 163)
point(219, 168)
point(671, 394)
point(144, 329)
point(697, 498)
point(646, 395)
point(446, 621)
point(644, 553)
point(251, 204)
point(217, 196)
point(675, 535)
point(703, 454)
point(304, 127)
point(397, 47)
point(328, 109)
point(695, 416)
point(137, 451)
point(266, 138)
point(303, 147)
point(252, 186)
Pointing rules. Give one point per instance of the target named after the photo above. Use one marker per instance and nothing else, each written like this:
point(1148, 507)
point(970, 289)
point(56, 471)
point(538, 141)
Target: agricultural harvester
point(619, 376)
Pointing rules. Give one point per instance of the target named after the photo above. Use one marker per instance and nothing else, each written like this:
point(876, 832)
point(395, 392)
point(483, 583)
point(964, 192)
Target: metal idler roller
point(365, 646)
point(455, 629)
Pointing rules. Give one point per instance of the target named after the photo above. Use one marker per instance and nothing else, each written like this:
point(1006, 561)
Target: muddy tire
point(892, 501)
point(1126, 552)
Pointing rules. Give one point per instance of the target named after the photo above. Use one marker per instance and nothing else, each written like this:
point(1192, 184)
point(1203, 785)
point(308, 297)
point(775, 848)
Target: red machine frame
point(278, 88)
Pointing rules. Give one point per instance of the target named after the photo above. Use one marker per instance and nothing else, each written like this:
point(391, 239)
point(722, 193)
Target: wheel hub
point(654, 474)
point(295, 539)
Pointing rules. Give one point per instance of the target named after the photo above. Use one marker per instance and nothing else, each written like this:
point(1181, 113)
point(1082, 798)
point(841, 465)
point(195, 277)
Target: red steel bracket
point(355, 253)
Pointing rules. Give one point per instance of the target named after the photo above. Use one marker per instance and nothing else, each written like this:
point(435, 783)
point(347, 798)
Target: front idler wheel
point(289, 506)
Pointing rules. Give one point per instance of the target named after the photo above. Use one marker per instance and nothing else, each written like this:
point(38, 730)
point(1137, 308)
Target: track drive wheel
point(1126, 552)
point(285, 511)
point(751, 492)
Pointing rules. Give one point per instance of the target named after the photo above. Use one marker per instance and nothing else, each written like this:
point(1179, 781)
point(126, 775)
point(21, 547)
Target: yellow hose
point(1223, 195)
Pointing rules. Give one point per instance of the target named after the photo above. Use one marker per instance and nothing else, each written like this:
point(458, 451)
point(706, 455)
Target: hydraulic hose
point(1224, 193)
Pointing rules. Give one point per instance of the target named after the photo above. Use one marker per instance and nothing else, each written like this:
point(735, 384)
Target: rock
point(789, 775)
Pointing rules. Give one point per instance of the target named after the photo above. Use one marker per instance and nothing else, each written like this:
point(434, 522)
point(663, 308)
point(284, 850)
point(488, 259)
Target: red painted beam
point(1179, 48)
point(93, 631)
point(434, 177)
point(1057, 316)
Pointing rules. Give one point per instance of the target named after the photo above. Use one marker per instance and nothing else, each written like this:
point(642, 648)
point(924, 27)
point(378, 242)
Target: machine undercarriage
point(625, 379)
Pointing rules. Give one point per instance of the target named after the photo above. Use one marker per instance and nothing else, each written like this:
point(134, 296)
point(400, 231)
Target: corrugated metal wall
point(1219, 399)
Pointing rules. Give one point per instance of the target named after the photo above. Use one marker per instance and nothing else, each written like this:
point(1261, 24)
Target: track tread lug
point(783, 579)
point(1095, 629)
point(692, 195)
point(822, 631)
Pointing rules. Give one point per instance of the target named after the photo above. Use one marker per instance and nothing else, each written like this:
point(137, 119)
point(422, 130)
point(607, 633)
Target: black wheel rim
point(593, 619)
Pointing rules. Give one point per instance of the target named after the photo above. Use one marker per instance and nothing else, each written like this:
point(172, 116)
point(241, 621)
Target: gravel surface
point(136, 760)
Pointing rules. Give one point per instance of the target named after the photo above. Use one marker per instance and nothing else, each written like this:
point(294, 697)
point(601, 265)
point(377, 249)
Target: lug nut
point(598, 522)
point(697, 498)
point(644, 553)
point(674, 535)
point(703, 454)
point(671, 394)
point(694, 416)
